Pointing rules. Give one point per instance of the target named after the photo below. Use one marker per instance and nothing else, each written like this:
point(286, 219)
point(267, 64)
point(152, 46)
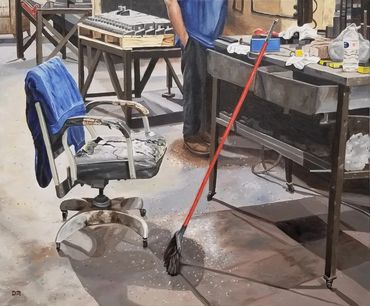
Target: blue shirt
point(204, 19)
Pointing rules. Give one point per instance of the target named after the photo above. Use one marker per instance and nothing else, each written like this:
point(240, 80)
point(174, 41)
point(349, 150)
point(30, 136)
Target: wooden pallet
point(125, 41)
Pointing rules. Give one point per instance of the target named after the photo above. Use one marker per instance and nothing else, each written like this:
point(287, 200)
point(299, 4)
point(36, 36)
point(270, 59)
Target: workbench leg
point(39, 27)
point(92, 69)
point(147, 74)
point(137, 77)
point(81, 65)
point(336, 184)
point(113, 75)
point(173, 74)
point(89, 56)
point(127, 81)
point(64, 49)
point(214, 136)
point(168, 94)
point(289, 174)
point(28, 42)
point(19, 29)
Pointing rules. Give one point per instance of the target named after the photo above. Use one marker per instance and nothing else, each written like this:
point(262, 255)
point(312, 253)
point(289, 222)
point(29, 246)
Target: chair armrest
point(132, 104)
point(123, 103)
point(91, 121)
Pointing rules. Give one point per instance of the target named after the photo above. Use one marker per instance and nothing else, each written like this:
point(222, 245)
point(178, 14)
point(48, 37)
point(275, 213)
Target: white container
point(351, 45)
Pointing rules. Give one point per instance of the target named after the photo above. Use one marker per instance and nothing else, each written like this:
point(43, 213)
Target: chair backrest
point(52, 98)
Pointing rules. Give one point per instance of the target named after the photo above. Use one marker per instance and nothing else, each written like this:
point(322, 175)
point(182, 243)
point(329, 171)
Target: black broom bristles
point(172, 255)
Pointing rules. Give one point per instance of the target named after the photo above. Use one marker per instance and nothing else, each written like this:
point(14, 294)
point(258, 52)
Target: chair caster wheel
point(142, 212)
point(145, 242)
point(290, 187)
point(57, 246)
point(329, 284)
point(64, 215)
point(210, 196)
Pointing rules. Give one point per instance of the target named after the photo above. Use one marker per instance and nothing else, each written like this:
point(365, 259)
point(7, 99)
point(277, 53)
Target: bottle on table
point(351, 46)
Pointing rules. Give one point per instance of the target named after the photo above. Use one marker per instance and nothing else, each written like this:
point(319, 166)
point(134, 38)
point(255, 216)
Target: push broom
point(172, 255)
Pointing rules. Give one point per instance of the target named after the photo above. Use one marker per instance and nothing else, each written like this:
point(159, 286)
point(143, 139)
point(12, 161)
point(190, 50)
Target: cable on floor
point(275, 163)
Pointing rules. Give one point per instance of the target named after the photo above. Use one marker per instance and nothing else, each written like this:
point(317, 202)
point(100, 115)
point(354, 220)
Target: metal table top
point(315, 70)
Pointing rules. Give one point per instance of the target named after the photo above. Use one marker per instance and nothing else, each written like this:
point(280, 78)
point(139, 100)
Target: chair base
point(91, 213)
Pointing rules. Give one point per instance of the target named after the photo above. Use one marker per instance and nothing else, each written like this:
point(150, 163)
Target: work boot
point(206, 137)
point(196, 145)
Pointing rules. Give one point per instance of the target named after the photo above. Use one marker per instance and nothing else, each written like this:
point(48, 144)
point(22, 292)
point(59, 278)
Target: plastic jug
point(351, 45)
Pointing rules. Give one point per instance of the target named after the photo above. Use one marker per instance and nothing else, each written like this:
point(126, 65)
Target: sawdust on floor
point(177, 152)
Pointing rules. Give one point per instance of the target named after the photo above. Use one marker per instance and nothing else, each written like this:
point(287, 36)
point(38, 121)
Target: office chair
point(52, 96)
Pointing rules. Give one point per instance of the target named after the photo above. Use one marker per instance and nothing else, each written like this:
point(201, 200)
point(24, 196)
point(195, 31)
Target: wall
point(245, 22)
point(7, 18)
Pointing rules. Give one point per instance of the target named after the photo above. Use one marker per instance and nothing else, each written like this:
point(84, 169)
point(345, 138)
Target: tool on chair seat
point(172, 254)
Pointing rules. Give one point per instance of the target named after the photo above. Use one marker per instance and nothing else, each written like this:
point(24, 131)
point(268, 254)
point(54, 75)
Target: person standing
point(197, 23)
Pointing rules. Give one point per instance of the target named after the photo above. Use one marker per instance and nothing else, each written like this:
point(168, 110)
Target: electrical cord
point(314, 192)
point(315, 10)
point(315, 23)
point(264, 161)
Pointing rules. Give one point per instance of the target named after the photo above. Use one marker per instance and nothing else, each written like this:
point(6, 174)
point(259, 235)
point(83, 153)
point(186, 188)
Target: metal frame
point(96, 51)
point(95, 211)
point(44, 28)
point(49, 151)
point(294, 154)
point(118, 212)
point(89, 121)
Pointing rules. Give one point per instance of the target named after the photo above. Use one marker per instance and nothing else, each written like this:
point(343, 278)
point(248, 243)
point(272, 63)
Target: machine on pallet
point(128, 29)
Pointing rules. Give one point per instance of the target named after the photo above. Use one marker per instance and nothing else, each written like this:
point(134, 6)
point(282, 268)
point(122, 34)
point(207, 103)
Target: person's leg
point(205, 95)
point(194, 67)
point(205, 129)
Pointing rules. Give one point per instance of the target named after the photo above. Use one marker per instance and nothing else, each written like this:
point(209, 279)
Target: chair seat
point(106, 159)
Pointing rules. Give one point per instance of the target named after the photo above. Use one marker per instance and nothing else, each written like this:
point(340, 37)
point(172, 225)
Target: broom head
point(172, 255)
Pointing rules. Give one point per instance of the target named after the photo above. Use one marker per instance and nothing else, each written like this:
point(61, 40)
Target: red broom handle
point(229, 126)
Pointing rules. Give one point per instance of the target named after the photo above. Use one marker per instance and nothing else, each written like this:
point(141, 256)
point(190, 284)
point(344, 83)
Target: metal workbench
point(111, 54)
point(223, 67)
point(42, 22)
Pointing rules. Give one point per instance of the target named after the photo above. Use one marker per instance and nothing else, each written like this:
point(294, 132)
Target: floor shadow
point(8, 41)
point(310, 232)
point(113, 265)
point(277, 286)
point(179, 101)
point(20, 64)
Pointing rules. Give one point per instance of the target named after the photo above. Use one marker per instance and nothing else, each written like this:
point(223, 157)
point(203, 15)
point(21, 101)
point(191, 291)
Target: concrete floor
point(230, 257)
